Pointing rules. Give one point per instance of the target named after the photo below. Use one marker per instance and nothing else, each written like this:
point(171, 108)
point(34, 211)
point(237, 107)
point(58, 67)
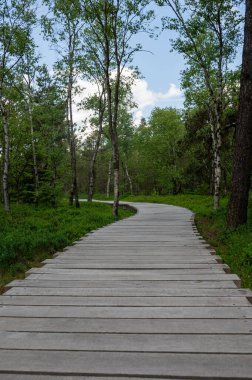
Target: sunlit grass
point(29, 234)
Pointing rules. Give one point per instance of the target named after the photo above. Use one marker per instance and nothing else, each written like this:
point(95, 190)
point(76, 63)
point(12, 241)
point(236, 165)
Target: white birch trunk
point(116, 192)
point(109, 179)
point(217, 175)
point(73, 197)
point(95, 153)
point(217, 141)
point(129, 179)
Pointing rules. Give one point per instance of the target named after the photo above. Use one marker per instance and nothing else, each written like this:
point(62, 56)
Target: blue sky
point(160, 69)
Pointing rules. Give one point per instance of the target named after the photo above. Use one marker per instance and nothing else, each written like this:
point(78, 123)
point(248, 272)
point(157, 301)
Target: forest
point(198, 156)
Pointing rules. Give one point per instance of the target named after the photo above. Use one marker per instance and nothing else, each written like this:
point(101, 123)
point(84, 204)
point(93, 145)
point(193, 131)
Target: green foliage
point(50, 141)
point(234, 246)
point(155, 152)
point(30, 234)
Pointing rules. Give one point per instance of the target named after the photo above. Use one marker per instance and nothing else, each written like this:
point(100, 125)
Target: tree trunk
point(116, 168)
point(112, 101)
point(112, 116)
point(217, 168)
point(238, 204)
point(93, 160)
point(34, 154)
point(6, 162)
point(129, 178)
point(73, 195)
point(92, 176)
point(109, 178)
point(74, 188)
point(216, 143)
point(96, 149)
point(123, 186)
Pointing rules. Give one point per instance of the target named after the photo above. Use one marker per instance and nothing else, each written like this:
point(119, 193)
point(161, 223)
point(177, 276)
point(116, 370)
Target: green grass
point(234, 246)
point(98, 197)
point(29, 235)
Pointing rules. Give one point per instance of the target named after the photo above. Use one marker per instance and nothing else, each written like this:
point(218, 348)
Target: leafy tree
point(16, 20)
point(49, 133)
point(96, 103)
point(29, 70)
point(64, 29)
point(111, 26)
point(208, 39)
point(155, 156)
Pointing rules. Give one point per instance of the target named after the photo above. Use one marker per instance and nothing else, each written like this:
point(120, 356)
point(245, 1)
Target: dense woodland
point(44, 154)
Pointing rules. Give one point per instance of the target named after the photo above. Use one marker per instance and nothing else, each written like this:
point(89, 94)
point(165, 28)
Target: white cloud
point(143, 96)
point(138, 115)
point(86, 89)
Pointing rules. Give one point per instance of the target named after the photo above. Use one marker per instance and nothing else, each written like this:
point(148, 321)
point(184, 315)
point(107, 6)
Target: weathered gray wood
point(148, 284)
point(130, 292)
point(135, 276)
point(121, 272)
point(51, 377)
point(169, 343)
point(126, 312)
point(123, 301)
point(144, 298)
point(210, 366)
point(151, 326)
point(61, 264)
point(145, 258)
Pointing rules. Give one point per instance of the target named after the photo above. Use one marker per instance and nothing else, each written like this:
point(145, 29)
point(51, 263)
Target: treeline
point(170, 153)
point(44, 153)
point(39, 136)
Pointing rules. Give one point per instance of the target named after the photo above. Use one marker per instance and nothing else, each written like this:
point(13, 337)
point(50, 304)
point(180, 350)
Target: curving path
point(144, 298)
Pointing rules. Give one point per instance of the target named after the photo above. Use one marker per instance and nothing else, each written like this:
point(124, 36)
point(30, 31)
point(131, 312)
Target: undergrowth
point(31, 234)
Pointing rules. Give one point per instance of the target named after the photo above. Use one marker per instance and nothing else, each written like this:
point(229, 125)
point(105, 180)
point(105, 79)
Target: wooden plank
point(135, 276)
point(148, 284)
point(163, 343)
point(132, 258)
point(121, 272)
point(209, 366)
point(140, 326)
point(61, 264)
point(126, 312)
point(123, 301)
point(129, 292)
point(52, 377)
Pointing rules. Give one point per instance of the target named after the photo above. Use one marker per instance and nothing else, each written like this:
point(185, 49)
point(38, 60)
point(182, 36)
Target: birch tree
point(16, 19)
point(65, 30)
point(29, 71)
point(96, 103)
point(111, 25)
point(208, 38)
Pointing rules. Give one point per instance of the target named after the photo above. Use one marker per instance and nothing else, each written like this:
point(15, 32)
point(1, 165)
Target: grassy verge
point(235, 247)
point(98, 197)
point(29, 235)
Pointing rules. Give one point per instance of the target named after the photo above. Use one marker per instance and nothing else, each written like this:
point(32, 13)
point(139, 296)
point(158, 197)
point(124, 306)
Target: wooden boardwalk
point(144, 298)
